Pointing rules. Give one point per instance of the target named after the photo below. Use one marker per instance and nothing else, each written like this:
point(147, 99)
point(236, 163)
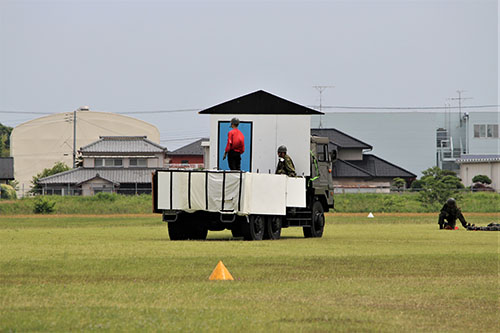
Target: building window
point(138, 162)
point(108, 162)
point(486, 131)
point(184, 162)
point(492, 131)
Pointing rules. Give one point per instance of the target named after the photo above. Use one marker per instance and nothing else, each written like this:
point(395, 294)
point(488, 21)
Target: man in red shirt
point(235, 146)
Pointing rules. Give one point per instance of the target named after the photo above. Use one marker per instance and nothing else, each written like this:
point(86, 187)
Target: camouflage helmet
point(451, 202)
point(282, 149)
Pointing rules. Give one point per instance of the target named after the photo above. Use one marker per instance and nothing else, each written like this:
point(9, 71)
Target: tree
point(438, 186)
point(416, 185)
point(483, 179)
point(399, 183)
point(7, 192)
point(57, 168)
point(5, 140)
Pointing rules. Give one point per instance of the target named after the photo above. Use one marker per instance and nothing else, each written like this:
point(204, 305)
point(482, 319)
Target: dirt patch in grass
point(497, 215)
point(52, 216)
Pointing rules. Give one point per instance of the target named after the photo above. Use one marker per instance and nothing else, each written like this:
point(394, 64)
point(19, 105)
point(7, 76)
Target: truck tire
point(273, 227)
point(177, 230)
point(317, 221)
point(254, 229)
point(197, 231)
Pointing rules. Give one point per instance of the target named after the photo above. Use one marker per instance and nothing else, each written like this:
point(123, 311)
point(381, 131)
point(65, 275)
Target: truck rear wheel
point(317, 221)
point(177, 230)
point(197, 231)
point(254, 229)
point(273, 227)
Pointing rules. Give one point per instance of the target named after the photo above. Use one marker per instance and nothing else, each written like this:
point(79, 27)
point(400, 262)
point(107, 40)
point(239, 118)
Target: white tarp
point(264, 194)
point(217, 191)
point(296, 192)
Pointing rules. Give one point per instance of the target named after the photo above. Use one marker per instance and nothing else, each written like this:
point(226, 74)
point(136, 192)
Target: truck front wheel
point(317, 221)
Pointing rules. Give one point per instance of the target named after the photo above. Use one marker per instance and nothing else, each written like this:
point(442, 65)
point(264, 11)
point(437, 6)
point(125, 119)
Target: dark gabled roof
point(123, 144)
point(343, 169)
point(381, 168)
point(259, 102)
point(193, 148)
point(340, 139)
point(116, 175)
point(7, 168)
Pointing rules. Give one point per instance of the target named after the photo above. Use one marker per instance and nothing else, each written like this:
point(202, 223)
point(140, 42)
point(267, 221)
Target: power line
point(313, 106)
point(128, 112)
point(406, 107)
point(160, 111)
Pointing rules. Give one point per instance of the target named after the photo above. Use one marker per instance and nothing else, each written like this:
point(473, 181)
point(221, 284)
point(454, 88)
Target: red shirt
point(235, 141)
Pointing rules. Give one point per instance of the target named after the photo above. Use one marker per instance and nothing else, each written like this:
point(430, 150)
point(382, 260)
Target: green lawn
point(121, 273)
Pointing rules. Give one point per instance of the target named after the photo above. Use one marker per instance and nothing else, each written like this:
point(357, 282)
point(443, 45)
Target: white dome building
point(40, 143)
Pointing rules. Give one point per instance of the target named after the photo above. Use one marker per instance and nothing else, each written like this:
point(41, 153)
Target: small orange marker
point(220, 273)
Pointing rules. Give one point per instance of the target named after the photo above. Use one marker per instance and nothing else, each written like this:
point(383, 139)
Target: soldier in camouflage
point(449, 213)
point(285, 164)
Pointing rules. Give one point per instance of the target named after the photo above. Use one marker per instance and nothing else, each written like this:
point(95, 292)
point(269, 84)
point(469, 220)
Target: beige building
point(42, 142)
point(474, 165)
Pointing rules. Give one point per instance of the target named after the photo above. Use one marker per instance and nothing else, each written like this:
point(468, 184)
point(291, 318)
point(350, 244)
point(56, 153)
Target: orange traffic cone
point(220, 273)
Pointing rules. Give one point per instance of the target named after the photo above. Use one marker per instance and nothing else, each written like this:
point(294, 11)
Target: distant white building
point(418, 140)
point(474, 165)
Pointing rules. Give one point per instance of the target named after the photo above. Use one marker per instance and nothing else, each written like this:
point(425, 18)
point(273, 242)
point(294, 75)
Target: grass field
point(121, 273)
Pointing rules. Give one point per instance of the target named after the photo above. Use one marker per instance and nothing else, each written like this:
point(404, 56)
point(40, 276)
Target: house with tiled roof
point(472, 165)
point(357, 171)
point(193, 155)
point(114, 164)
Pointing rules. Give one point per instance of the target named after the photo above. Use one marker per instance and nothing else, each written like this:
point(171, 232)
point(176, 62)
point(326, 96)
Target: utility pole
point(74, 139)
point(320, 90)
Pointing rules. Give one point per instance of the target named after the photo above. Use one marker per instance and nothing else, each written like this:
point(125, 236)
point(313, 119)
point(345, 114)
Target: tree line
point(5, 140)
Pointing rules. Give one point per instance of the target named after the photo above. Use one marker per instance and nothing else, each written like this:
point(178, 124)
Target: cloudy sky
point(141, 56)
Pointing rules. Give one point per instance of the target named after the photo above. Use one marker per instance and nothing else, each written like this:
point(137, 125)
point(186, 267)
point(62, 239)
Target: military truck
point(252, 205)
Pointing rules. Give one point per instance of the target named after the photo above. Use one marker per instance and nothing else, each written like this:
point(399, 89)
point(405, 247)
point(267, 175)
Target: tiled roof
point(479, 158)
point(381, 168)
point(339, 138)
point(259, 102)
point(193, 148)
point(343, 169)
point(123, 144)
point(7, 168)
point(117, 175)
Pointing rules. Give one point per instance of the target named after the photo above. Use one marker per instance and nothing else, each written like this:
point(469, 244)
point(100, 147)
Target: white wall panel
point(269, 132)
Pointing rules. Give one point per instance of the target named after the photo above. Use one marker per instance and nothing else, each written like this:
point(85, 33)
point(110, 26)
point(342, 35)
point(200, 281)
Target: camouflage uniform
point(286, 167)
point(450, 213)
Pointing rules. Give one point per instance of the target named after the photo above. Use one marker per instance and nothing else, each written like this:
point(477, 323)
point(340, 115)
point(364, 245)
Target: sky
point(134, 57)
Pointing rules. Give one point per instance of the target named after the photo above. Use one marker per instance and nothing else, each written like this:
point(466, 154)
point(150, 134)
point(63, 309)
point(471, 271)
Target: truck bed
point(231, 192)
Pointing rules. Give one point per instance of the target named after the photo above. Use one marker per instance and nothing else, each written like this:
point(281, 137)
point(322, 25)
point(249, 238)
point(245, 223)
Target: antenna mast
point(320, 90)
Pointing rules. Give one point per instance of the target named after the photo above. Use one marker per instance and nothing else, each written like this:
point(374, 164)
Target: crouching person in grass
point(449, 215)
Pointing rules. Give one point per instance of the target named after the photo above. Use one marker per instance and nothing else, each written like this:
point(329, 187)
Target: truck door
point(323, 165)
